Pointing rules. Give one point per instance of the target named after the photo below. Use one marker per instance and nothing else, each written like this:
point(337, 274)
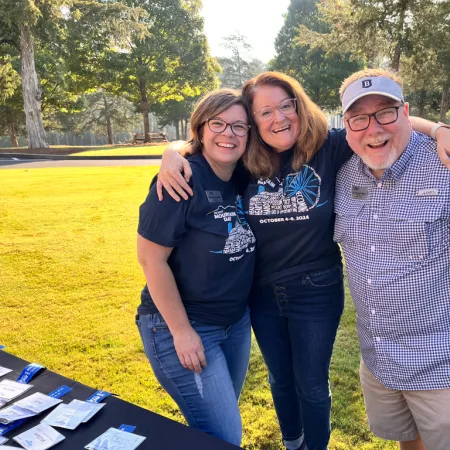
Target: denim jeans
point(208, 401)
point(295, 324)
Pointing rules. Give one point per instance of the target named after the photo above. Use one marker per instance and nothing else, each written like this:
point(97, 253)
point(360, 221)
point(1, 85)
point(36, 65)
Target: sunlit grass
point(125, 151)
point(70, 284)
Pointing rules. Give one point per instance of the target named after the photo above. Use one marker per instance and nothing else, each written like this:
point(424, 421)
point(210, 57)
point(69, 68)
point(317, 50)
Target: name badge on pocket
point(360, 192)
point(214, 196)
point(430, 192)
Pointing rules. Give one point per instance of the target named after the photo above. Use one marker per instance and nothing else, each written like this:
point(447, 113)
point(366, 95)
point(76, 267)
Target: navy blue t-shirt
point(292, 214)
point(213, 253)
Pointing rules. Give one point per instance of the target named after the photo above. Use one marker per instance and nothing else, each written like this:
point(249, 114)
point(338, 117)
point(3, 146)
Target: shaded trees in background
point(27, 27)
point(11, 104)
point(100, 112)
point(172, 63)
point(176, 113)
point(240, 66)
point(409, 36)
point(319, 73)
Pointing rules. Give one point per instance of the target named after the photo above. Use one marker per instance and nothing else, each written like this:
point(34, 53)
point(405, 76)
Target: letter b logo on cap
point(366, 83)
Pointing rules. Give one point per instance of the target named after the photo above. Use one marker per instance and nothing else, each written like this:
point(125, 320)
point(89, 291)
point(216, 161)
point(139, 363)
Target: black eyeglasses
point(237, 128)
point(384, 116)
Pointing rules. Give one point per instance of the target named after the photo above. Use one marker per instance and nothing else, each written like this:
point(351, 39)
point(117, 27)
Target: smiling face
point(225, 148)
point(379, 146)
point(282, 131)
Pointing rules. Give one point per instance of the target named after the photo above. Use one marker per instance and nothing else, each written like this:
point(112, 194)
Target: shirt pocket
point(349, 221)
point(417, 231)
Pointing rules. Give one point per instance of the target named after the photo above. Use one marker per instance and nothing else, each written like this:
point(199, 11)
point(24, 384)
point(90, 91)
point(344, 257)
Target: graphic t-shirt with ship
point(213, 246)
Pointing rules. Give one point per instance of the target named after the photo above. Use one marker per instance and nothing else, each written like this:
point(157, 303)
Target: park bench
point(139, 138)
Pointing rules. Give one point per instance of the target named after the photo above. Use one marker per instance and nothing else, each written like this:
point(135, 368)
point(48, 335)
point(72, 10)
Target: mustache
point(379, 139)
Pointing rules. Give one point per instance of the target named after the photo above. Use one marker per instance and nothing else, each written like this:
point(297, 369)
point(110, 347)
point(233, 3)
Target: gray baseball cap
point(371, 86)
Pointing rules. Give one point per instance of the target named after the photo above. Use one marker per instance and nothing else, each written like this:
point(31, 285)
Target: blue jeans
point(295, 324)
point(208, 401)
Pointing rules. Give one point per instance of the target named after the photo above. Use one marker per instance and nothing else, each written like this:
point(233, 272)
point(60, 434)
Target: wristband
point(436, 127)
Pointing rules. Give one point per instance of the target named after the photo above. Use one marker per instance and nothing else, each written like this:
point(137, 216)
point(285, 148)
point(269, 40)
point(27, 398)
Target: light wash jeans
point(208, 401)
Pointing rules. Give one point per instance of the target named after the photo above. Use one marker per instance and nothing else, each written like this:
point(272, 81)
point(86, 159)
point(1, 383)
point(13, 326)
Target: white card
point(38, 402)
point(39, 437)
point(4, 371)
point(64, 416)
point(11, 389)
point(115, 439)
point(7, 447)
point(3, 440)
point(13, 412)
point(90, 408)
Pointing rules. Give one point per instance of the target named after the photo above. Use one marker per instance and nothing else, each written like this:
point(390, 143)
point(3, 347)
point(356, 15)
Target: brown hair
point(369, 73)
point(260, 159)
point(211, 105)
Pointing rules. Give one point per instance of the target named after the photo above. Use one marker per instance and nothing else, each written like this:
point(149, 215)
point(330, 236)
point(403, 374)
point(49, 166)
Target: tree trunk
point(108, 121)
point(12, 134)
point(32, 92)
point(444, 103)
point(421, 104)
point(144, 107)
point(395, 63)
point(177, 129)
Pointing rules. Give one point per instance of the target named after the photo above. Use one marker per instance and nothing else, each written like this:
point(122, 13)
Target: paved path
point(13, 163)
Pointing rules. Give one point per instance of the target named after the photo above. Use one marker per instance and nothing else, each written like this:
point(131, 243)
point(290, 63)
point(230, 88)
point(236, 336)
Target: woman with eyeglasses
point(298, 294)
point(198, 261)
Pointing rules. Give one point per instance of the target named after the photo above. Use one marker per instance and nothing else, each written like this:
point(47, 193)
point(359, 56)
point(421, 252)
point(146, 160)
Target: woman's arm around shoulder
point(175, 172)
point(435, 131)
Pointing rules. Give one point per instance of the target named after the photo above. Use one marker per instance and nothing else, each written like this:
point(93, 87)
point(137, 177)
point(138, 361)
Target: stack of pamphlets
point(9, 390)
point(27, 407)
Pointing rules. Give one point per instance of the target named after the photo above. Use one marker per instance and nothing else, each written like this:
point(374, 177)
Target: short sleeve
point(164, 222)
point(339, 146)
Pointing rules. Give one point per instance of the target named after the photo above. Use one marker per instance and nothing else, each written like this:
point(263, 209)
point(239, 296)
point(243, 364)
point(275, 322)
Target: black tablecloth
point(161, 433)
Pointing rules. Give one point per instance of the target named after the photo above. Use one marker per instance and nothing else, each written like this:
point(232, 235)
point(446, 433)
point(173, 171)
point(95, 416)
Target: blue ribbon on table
point(127, 428)
point(30, 372)
point(57, 393)
point(98, 396)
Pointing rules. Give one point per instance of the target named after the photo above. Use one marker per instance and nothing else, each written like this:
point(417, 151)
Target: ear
point(406, 112)
point(406, 109)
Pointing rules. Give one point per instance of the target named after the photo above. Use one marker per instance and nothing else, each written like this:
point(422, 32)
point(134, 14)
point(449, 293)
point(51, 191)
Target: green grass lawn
point(69, 288)
point(125, 151)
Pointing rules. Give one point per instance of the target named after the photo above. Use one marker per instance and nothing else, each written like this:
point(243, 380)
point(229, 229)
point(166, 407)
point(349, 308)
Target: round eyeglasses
point(384, 116)
point(237, 128)
point(286, 107)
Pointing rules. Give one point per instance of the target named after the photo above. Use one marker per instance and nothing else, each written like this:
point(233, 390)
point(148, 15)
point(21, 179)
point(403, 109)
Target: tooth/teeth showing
point(281, 129)
point(377, 144)
point(223, 144)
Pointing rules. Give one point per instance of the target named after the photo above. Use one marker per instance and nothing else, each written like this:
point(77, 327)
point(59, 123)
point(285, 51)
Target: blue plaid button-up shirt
point(395, 235)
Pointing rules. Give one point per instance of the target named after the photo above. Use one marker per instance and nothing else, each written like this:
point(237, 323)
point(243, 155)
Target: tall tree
point(236, 71)
point(175, 113)
point(24, 24)
point(172, 62)
point(101, 113)
point(397, 33)
point(236, 66)
point(319, 73)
